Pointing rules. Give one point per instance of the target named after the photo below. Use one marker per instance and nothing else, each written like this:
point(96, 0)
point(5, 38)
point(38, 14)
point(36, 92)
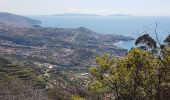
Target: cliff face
point(58, 46)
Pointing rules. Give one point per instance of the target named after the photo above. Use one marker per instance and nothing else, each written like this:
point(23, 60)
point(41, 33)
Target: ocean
point(132, 26)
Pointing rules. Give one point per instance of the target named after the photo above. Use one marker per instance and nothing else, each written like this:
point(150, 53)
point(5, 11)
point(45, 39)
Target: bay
point(132, 26)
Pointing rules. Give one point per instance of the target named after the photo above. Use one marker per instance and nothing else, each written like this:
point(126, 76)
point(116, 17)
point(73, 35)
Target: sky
point(102, 7)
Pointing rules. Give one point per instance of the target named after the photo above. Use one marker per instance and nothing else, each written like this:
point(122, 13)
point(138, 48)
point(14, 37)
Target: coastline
point(125, 44)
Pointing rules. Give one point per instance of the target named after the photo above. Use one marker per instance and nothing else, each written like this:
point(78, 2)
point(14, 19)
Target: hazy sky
point(103, 7)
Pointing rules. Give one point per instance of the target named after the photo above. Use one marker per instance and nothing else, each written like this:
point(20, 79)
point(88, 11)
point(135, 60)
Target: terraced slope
point(9, 71)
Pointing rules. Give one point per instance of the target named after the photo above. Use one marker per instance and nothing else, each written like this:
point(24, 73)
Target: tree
point(142, 74)
point(146, 39)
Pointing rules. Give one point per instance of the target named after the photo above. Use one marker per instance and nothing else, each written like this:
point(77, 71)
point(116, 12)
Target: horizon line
point(114, 14)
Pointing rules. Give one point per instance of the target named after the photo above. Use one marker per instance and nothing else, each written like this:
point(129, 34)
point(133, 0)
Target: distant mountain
point(16, 20)
point(121, 15)
point(79, 14)
point(76, 14)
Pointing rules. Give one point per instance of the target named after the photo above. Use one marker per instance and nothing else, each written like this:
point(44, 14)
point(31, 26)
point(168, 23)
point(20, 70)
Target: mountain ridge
point(17, 20)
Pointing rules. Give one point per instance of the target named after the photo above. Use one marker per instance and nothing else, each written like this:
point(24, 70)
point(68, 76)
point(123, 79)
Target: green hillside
point(9, 71)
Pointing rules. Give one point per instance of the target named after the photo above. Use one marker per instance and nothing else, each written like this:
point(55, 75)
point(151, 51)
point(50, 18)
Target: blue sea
point(132, 26)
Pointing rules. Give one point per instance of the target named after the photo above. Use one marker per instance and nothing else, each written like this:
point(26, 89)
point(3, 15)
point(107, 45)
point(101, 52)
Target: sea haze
point(133, 26)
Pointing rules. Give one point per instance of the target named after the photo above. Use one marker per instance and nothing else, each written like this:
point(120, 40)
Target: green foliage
point(141, 74)
point(9, 71)
point(75, 97)
point(146, 39)
point(167, 40)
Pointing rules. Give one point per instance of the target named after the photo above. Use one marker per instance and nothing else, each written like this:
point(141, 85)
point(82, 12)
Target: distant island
point(121, 15)
point(91, 15)
point(75, 14)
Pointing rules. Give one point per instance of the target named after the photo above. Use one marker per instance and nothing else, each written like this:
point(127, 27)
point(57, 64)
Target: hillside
point(21, 81)
point(9, 70)
point(58, 46)
point(16, 20)
point(67, 48)
point(53, 60)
